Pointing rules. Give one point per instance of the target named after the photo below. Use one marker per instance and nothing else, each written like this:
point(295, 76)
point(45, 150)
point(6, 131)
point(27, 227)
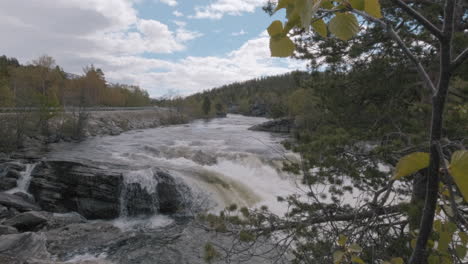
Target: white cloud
point(177, 13)
point(110, 35)
point(219, 8)
point(169, 2)
point(194, 74)
point(240, 33)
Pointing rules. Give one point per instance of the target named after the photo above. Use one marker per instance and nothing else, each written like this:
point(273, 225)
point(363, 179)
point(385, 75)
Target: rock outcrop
point(96, 193)
point(17, 202)
point(284, 125)
point(24, 246)
point(28, 221)
point(63, 186)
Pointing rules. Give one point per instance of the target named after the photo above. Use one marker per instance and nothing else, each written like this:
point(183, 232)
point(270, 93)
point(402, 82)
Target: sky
point(168, 47)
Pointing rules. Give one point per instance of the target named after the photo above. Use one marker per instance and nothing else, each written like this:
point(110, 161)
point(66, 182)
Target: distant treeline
point(265, 96)
point(43, 83)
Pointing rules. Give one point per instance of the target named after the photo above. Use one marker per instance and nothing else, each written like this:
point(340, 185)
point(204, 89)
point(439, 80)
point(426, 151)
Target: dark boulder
point(28, 221)
point(17, 202)
point(172, 196)
point(64, 186)
point(7, 230)
point(284, 125)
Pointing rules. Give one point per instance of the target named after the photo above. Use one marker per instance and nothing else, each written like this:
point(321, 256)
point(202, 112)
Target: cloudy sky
point(165, 46)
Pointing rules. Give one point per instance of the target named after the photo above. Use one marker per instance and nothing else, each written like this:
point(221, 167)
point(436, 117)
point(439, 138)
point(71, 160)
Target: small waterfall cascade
point(25, 179)
point(139, 193)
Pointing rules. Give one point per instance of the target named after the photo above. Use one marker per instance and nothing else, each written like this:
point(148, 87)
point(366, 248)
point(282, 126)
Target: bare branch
point(422, 72)
point(459, 60)
point(420, 18)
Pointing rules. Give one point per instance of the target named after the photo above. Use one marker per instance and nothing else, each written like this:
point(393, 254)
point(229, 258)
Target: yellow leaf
point(372, 7)
point(459, 171)
point(281, 47)
point(397, 261)
point(357, 4)
point(275, 29)
point(342, 240)
point(410, 164)
point(320, 27)
point(344, 26)
point(355, 248)
point(338, 256)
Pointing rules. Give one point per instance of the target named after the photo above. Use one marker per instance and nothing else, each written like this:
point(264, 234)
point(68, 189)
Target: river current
point(220, 159)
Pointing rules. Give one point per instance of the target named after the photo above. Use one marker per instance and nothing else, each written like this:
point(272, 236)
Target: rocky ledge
point(63, 196)
point(284, 125)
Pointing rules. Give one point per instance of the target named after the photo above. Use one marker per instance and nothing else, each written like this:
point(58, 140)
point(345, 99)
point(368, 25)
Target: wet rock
point(7, 184)
point(27, 221)
point(63, 186)
point(57, 220)
point(7, 230)
point(10, 172)
point(17, 202)
point(139, 201)
point(171, 197)
point(276, 126)
point(24, 246)
point(3, 212)
point(96, 193)
point(26, 196)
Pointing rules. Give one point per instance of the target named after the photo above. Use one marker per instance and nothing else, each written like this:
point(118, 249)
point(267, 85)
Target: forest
point(42, 83)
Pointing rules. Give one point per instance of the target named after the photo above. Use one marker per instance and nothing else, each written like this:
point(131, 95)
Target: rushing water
point(221, 160)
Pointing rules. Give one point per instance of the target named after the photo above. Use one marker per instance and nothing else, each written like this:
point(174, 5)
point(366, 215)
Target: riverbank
point(132, 198)
point(66, 127)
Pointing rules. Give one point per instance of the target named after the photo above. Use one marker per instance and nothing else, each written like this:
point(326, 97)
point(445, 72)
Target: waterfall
point(24, 180)
point(139, 194)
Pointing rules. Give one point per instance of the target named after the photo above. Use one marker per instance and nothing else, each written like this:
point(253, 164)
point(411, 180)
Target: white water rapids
point(221, 160)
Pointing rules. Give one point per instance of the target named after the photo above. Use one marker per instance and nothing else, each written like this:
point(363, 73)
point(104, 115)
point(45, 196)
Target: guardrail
point(76, 109)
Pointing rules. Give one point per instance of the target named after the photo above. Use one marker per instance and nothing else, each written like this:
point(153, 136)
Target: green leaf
point(307, 9)
point(344, 26)
point(372, 7)
point(355, 248)
point(281, 47)
point(275, 29)
point(320, 27)
point(448, 210)
point(433, 259)
point(338, 256)
point(397, 261)
point(327, 4)
point(410, 164)
point(342, 240)
point(444, 240)
point(459, 171)
point(356, 259)
point(357, 4)
point(460, 251)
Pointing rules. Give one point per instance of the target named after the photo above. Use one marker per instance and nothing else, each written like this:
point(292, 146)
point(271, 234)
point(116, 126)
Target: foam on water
point(154, 222)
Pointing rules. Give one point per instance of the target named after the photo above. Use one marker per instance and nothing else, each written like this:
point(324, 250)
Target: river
point(220, 160)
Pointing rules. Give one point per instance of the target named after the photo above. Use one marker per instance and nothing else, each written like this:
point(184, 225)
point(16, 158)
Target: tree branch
point(459, 60)
point(420, 18)
point(422, 72)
